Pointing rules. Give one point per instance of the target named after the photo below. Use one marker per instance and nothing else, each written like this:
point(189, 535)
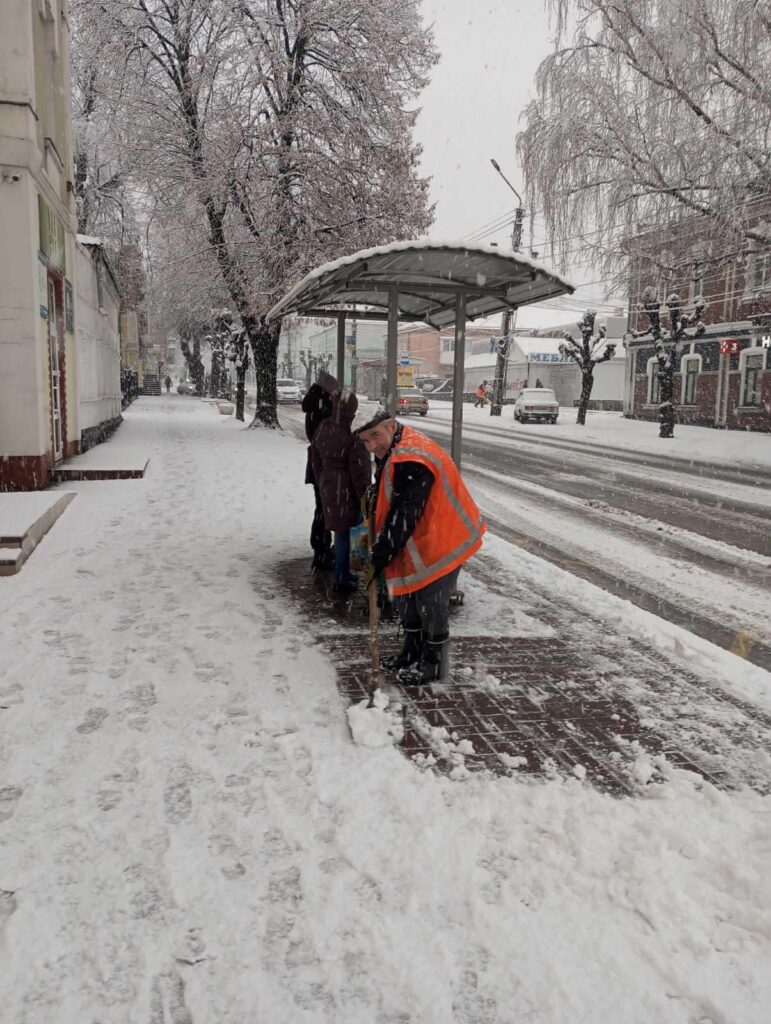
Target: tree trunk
point(264, 341)
point(587, 383)
point(667, 408)
point(240, 391)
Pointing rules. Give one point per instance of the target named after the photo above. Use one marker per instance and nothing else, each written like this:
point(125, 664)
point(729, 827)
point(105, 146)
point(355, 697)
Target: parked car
point(185, 387)
point(410, 400)
point(442, 389)
point(539, 404)
point(288, 390)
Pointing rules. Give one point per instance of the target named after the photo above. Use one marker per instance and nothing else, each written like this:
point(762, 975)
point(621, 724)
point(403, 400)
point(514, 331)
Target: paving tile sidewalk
point(538, 707)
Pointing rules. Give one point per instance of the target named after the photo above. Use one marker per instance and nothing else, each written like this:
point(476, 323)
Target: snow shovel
point(370, 722)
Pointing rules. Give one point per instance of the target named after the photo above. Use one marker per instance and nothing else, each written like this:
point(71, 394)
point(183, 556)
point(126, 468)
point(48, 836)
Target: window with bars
point(752, 369)
point(690, 370)
point(654, 384)
point(759, 265)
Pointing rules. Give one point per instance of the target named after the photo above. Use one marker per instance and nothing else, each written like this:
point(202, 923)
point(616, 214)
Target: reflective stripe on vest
point(423, 572)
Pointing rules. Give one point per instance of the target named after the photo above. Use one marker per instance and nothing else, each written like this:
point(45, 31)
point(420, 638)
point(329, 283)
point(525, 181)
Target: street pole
point(509, 316)
point(354, 355)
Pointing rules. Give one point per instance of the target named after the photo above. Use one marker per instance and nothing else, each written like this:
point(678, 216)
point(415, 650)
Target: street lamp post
point(509, 317)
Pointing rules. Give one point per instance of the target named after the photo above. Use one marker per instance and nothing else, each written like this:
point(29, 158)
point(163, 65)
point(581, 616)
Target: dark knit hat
point(327, 382)
point(380, 417)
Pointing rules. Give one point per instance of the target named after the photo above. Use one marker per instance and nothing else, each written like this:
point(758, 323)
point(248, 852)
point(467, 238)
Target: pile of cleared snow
point(376, 725)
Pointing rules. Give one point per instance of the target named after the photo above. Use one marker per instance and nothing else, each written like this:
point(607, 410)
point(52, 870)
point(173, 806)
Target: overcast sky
point(490, 51)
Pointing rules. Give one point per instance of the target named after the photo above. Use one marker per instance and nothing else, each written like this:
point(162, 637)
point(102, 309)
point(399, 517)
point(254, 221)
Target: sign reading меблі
point(548, 357)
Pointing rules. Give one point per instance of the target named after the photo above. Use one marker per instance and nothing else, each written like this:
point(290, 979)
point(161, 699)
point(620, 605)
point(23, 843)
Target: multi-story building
point(723, 378)
point(38, 396)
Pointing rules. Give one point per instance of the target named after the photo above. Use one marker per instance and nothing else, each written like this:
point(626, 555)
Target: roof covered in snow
point(428, 274)
point(529, 344)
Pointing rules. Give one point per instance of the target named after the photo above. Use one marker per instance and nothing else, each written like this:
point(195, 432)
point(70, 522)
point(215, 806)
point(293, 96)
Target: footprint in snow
point(167, 1002)
point(177, 798)
point(9, 797)
point(92, 721)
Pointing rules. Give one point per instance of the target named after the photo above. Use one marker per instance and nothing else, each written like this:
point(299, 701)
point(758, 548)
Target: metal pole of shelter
point(459, 371)
point(392, 342)
point(341, 348)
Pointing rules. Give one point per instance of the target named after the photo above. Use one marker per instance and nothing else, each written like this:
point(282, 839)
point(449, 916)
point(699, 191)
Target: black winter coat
point(341, 465)
point(317, 406)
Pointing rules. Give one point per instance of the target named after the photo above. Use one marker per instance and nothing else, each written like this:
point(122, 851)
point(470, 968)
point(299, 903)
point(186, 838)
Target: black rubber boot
point(409, 654)
point(429, 668)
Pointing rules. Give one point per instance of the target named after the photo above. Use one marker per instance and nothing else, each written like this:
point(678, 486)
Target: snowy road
point(188, 836)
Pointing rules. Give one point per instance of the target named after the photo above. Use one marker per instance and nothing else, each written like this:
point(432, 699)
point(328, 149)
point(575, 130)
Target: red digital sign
point(729, 346)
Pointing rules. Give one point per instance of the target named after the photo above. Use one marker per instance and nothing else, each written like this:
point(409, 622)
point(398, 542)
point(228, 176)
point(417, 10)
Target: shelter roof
point(429, 274)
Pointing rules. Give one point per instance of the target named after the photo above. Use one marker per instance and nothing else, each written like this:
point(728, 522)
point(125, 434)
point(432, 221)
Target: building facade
point(38, 392)
point(723, 379)
point(97, 305)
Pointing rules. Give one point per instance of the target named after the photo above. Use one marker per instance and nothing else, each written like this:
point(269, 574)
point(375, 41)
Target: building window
point(759, 264)
point(654, 384)
point(752, 365)
point(696, 277)
point(448, 344)
point(691, 367)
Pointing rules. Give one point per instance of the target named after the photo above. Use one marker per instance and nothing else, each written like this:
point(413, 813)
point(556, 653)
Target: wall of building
point(98, 345)
point(36, 239)
point(717, 397)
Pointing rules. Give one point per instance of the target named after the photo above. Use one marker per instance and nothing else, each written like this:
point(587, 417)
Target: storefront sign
point(548, 357)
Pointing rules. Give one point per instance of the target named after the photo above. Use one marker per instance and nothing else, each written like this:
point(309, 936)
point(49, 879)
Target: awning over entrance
point(439, 283)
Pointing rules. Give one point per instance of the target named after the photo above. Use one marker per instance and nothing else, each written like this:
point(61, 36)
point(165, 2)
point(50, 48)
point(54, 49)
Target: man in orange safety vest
point(427, 526)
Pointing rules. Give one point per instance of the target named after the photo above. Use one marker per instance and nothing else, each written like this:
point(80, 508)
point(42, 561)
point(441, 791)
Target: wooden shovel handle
point(373, 638)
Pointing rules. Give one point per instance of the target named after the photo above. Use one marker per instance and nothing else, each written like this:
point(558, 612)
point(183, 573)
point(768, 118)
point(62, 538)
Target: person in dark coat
point(317, 406)
point(343, 470)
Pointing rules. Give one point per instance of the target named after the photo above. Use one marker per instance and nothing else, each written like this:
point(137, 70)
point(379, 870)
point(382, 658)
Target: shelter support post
point(459, 372)
point(393, 340)
point(341, 348)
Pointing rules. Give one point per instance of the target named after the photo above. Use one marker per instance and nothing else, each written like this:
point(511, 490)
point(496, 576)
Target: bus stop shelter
point(437, 283)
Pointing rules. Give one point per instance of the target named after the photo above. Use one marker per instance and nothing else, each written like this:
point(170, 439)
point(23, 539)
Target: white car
point(539, 404)
point(288, 390)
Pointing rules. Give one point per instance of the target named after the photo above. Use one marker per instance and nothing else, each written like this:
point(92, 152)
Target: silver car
point(288, 390)
point(538, 404)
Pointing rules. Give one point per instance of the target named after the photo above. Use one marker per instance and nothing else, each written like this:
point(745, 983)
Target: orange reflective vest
point(451, 527)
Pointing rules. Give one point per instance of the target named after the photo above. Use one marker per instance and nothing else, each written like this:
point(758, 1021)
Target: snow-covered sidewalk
point(188, 835)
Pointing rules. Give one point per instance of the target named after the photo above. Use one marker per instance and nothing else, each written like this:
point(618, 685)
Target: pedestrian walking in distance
point(167, 382)
point(427, 526)
point(343, 470)
point(480, 395)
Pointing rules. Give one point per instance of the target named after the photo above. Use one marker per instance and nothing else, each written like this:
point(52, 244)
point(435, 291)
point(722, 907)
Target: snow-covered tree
point(282, 131)
point(668, 345)
point(313, 364)
point(593, 348)
point(649, 112)
point(191, 351)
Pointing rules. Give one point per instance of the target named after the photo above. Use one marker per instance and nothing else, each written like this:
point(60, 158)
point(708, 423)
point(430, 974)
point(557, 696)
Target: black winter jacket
point(317, 406)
